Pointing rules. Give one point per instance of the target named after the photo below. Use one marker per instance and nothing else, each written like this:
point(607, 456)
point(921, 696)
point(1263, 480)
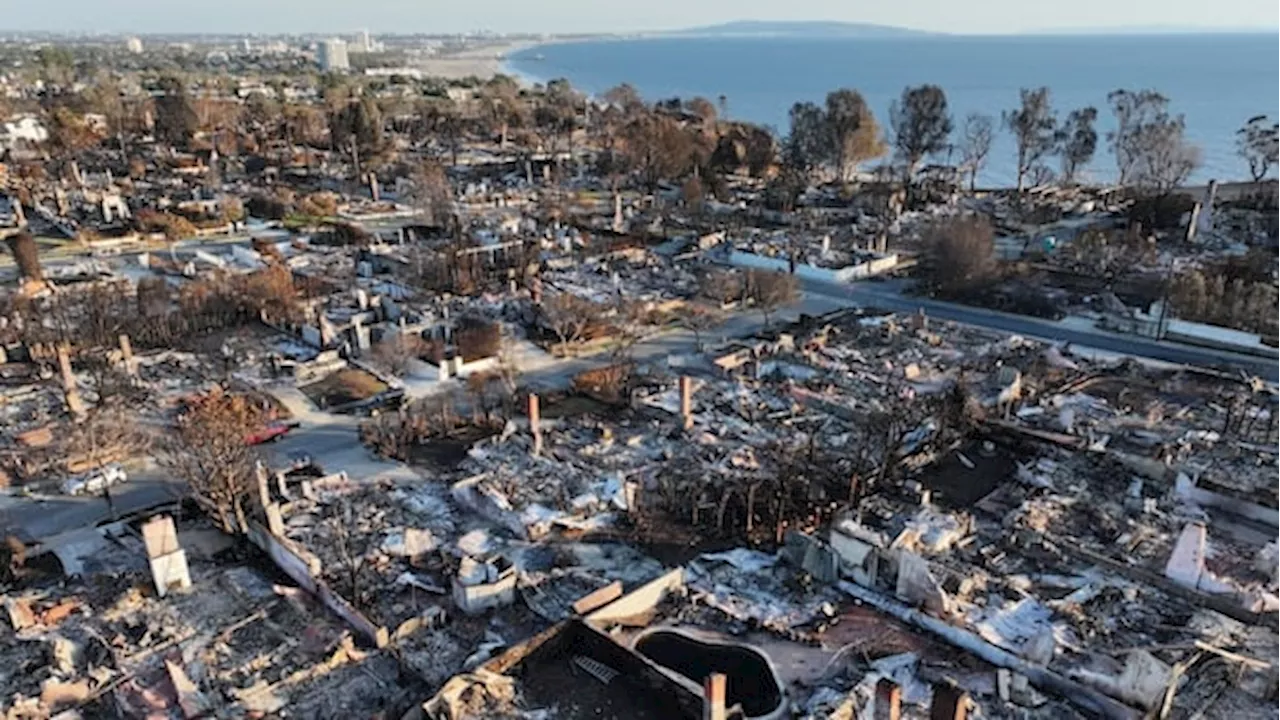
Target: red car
point(271, 431)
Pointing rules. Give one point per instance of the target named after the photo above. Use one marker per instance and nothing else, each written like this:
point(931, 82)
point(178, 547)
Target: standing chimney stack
point(126, 352)
point(535, 423)
point(74, 404)
point(686, 401)
point(713, 692)
point(949, 702)
point(888, 702)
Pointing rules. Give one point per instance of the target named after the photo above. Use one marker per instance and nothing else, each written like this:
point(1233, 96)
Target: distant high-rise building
point(133, 45)
point(331, 54)
point(364, 43)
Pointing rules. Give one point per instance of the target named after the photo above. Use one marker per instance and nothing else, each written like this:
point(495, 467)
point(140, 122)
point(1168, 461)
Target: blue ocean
point(1216, 81)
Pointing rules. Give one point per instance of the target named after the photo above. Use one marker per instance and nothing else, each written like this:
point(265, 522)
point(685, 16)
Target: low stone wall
point(305, 570)
point(805, 271)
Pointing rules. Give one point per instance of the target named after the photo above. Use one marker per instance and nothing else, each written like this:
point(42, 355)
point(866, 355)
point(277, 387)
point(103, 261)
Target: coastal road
point(889, 296)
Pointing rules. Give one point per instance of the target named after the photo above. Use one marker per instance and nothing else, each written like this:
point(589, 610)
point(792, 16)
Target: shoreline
point(482, 61)
point(498, 58)
point(487, 59)
point(528, 80)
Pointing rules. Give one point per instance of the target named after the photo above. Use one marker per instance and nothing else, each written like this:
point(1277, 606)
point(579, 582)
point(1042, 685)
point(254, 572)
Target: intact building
point(331, 54)
point(366, 44)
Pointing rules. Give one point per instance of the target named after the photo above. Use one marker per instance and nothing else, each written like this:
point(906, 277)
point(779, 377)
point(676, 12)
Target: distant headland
point(811, 29)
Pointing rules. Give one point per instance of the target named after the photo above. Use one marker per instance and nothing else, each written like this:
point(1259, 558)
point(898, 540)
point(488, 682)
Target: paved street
point(45, 515)
point(332, 440)
point(889, 296)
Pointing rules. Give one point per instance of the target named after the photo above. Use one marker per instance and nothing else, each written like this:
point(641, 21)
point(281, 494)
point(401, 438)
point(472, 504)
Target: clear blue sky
point(450, 16)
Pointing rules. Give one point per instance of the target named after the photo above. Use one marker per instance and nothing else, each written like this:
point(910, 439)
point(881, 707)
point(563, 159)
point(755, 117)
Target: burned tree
point(628, 322)
point(1149, 142)
point(568, 316)
point(394, 354)
point(432, 194)
point(351, 549)
point(773, 488)
point(1033, 125)
point(26, 255)
point(478, 339)
point(270, 294)
point(959, 254)
point(176, 118)
point(723, 286)
point(1133, 110)
point(402, 435)
point(489, 396)
point(108, 434)
point(698, 320)
point(975, 144)
point(771, 290)
point(210, 452)
point(358, 127)
point(110, 383)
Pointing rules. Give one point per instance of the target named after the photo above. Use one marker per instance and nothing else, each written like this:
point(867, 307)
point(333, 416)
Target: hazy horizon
point(991, 17)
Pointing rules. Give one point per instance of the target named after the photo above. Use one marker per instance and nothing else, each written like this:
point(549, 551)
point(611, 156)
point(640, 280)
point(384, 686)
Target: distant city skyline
point(588, 16)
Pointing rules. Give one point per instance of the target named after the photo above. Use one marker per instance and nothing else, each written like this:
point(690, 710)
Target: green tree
point(1077, 141)
point(853, 131)
point(1258, 142)
point(808, 142)
point(921, 124)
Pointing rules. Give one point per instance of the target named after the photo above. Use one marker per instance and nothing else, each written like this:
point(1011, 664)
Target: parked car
point(272, 431)
point(95, 481)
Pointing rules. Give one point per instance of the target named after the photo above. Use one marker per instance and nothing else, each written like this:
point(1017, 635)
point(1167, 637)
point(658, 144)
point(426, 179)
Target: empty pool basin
point(751, 679)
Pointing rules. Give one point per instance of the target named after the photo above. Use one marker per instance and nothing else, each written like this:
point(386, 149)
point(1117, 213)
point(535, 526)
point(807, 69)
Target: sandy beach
point(481, 61)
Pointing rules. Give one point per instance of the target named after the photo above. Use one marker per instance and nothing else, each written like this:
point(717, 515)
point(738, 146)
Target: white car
point(95, 481)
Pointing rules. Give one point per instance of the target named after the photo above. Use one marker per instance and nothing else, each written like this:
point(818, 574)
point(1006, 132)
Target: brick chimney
point(535, 423)
point(126, 352)
point(686, 401)
point(949, 702)
point(72, 393)
point(888, 702)
point(713, 692)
